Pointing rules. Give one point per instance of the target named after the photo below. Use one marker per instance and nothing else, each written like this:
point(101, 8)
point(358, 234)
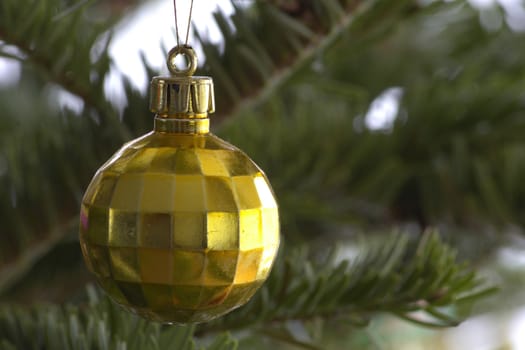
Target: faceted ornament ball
point(179, 228)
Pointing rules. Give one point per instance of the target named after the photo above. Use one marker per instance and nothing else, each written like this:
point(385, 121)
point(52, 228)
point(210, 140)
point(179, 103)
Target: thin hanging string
point(177, 23)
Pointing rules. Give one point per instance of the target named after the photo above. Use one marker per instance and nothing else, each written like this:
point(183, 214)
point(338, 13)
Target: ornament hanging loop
point(186, 51)
point(191, 58)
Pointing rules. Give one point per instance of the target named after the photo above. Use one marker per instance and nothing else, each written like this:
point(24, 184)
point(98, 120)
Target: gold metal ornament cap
point(182, 95)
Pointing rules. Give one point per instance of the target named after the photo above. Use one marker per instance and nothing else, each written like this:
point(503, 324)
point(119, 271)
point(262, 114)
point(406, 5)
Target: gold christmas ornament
point(180, 226)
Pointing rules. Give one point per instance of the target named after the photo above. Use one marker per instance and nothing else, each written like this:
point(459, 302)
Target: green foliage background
point(294, 85)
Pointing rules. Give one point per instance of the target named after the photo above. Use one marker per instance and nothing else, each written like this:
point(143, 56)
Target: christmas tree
point(390, 130)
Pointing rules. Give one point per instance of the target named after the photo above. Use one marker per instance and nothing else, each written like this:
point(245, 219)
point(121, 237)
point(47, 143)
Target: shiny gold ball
point(179, 228)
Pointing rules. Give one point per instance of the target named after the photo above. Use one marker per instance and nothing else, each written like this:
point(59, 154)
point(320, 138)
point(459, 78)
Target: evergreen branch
point(365, 175)
point(398, 278)
point(39, 39)
point(385, 167)
point(415, 171)
point(99, 326)
point(394, 278)
point(46, 178)
point(336, 157)
point(46, 150)
point(266, 51)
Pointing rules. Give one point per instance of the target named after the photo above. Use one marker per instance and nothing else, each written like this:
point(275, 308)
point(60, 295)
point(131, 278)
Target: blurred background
point(404, 115)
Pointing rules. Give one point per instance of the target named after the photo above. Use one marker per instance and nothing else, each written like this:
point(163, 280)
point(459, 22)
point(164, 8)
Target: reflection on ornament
point(180, 226)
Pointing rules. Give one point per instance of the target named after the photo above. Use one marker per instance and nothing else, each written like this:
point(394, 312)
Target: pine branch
point(456, 142)
point(368, 174)
point(400, 276)
point(453, 155)
point(393, 278)
point(60, 45)
point(265, 51)
point(100, 325)
point(49, 158)
point(358, 170)
point(46, 178)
